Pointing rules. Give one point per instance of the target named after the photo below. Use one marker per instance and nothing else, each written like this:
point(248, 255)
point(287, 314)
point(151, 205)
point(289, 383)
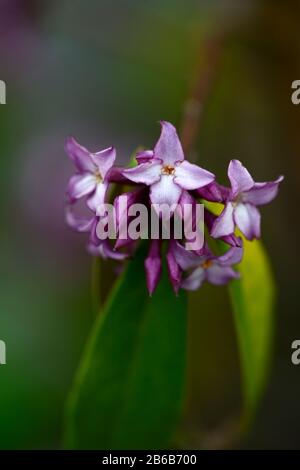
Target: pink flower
point(240, 209)
point(207, 267)
point(167, 181)
point(166, 171)
point(90, 179)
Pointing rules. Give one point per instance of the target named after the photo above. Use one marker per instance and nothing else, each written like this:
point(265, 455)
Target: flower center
point(237, 200)
point(206, 264)
point(98, 177)
point(168, 170)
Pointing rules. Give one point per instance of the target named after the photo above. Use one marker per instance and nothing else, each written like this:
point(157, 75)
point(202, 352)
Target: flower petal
point(224, 224)
point(194, 280)
point(232, 239)
point(104, 160)
point(185, 259)
point(262, 193)
point(98, 197)
point(190, 176)
point(94, 240)
point(247, 218)
point(115, 175)
point(214, 192)
point(108, 252)
point(165, 191)
point(220, 275)
point(153, 265)
point(192, 216)
point(145, 173)
point(239, 177)
point(80, 156)
point(232, 256)
point(168, 147)
point(105, 251)
point(143, 156)
point(173, 269)
point(81, 185)
point(80, 224)
point(122, 204)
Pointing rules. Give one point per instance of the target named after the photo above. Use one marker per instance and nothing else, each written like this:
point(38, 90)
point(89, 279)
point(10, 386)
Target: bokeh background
point(106, 72)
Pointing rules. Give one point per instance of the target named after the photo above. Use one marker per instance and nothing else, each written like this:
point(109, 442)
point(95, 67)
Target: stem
point(205, 75)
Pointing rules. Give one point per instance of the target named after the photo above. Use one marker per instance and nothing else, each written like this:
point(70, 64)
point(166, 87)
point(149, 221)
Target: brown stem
point(202, 84)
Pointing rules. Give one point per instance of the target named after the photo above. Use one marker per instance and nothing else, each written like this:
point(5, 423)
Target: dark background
point(106, 72)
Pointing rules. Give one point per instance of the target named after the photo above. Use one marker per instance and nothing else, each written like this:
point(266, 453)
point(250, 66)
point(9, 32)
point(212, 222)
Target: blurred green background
point(106, 72)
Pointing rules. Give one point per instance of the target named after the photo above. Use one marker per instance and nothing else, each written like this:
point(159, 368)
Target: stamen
point(168, 170)
point(206, 264)
point(98, 176)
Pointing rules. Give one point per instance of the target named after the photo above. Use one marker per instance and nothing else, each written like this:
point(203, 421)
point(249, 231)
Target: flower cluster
point(163, 176)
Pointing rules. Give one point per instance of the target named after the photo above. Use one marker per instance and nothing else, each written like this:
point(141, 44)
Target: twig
point(202, 84)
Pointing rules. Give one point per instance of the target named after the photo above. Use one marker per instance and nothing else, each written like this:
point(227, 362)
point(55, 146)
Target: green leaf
point(129, 388)
point(252, 298)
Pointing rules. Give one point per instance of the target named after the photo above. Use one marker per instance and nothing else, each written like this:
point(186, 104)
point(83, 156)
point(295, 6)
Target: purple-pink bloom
point(105, 251)
point(174, 270)
point(240, 207)
point(78, 223)
point(167, 179)
point(122, 204)
point(166, 171)
point(95, 246)
point(90, 179)
point(153, 265)
point(232, 239)
point(207, 267)
point(213, 192)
